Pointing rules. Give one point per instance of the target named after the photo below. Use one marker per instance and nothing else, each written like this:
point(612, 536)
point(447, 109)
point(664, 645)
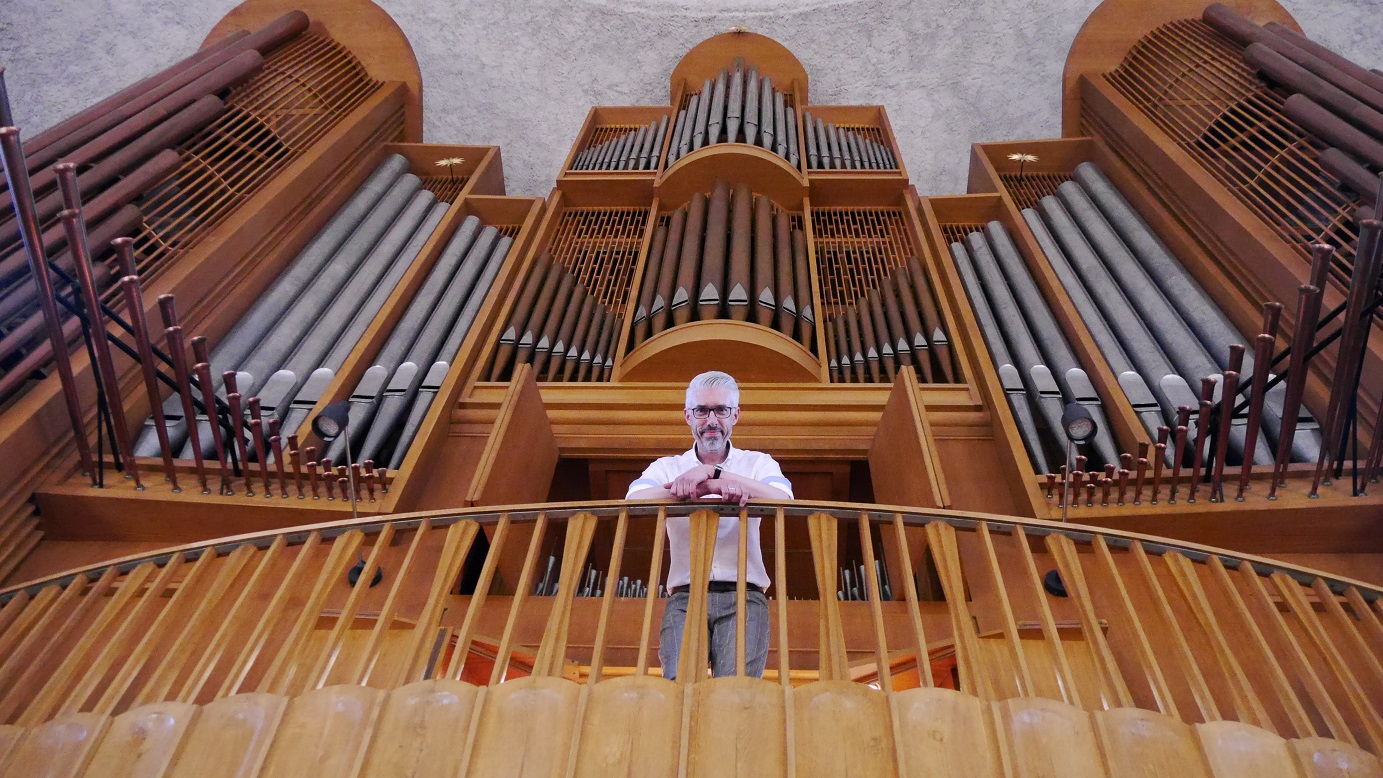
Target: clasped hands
point(697, 483)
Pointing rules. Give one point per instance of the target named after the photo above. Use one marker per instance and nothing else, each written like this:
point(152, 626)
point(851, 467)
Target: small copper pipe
point(1065, 478)
point(1272, 314)
point(327, 478)
point(203, 371)
point(276, 445)
point(341, 482)
point(1202, 432)
point(383, 484)
point(296, 455)
point(1142, 471)
point(22, 198)
point(1077, 482)
point(1051, 484)
point(1106, 483)
point(1308, 316)
point(1090, 492)
point(1262, 354)
point(1179, 448)
point(310, 454)
point(238, 427)
point(178, 351)
point(75, 228)
point(1227, 398)
point(1126, 460)
point(130, 286)
point(370, 478)
point(1123, 484)
point(1159, 459)
point(1080, 463)
point(257, 433)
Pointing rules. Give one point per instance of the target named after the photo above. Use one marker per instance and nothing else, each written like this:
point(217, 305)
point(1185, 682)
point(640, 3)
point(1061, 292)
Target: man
point(712, 468)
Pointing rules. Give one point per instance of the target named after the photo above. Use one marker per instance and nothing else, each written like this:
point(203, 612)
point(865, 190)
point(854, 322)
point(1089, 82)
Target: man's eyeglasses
point(721, 411)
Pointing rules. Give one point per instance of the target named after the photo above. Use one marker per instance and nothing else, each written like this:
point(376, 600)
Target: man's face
point(712, 433)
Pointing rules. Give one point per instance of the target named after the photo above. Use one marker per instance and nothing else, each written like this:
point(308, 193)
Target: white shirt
point(725, 563)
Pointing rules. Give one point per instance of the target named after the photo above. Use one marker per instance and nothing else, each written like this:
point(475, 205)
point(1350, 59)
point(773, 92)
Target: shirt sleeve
point(652, 477)
point(770, 473)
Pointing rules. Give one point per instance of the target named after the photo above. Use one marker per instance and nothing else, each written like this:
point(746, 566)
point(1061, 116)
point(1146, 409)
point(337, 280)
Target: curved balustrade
point(499, 612)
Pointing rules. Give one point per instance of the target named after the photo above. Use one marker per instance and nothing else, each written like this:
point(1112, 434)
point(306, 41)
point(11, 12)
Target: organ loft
point(317, 443)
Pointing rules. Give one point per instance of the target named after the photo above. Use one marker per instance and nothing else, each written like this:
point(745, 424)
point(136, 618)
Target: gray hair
point(714, 379)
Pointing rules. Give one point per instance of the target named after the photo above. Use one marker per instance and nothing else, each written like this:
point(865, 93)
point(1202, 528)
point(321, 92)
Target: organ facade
point(318, 438)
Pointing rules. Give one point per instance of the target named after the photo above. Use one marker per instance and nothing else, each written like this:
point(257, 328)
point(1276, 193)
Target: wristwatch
point(716, 474)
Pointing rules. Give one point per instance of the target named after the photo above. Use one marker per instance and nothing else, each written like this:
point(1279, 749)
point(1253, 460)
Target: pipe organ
point(200, 267)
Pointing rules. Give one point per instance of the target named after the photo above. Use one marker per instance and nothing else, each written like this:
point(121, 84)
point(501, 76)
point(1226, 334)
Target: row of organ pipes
point(1336, 100)
point(733, 255)
point(114, 152)
point(739, 106)
point(894, 325)
point(558, 327)
point(248, 398)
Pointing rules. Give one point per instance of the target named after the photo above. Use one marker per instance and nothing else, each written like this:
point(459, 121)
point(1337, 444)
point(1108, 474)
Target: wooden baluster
point(206, 613)
point(1265, 663)
point(834, 663)
point(1359, 701)
point(580, 532)
point(655, 567)
point(1147, 657)
point(924, 665)
point(1114, 691)
point(691, 664)
point(45, 703)
point(1248, 708)
point(1023, 676)
point(1267, 614)
point(369, 656)
point(460, 535)
point(121, 640)
point(477, 600)
point(521, 589)
point(1354, 643)
point(1373, 627)
point(973, 678)
point(1065, 677)
point(1184, 662)
point(264, 618)
point(320, 669)
point(780, 576)
point(607, 599)
point(278, 679)
point(220, 642)
point(741, 592)
point(881, 656)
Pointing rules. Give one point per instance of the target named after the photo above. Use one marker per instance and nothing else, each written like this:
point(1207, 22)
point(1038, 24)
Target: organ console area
point(200, 575)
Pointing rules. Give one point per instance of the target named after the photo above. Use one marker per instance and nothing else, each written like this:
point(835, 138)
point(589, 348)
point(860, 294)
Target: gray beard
point(717, 444)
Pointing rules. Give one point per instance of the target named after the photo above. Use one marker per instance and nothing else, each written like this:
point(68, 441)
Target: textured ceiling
point(523, 75)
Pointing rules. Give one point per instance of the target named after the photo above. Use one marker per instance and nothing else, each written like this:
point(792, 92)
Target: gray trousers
point(720, 622)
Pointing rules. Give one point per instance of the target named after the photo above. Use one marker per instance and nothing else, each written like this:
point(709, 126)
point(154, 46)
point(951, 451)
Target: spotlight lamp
point(1077, 423)
point(331, 422)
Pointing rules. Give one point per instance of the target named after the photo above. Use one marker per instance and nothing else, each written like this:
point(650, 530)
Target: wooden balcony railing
point(530, 634)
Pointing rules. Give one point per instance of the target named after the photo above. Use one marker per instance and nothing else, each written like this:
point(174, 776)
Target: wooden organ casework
point(464, 592)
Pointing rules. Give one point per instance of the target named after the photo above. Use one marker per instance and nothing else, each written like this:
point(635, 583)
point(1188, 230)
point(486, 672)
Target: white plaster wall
point(524, 74)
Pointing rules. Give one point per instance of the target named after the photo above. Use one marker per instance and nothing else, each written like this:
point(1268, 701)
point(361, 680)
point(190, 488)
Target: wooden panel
point(420, 729)
point(141, 742)
point(324, 732)
point(632, 727)
point(1142, 743)
point(902, 461)
point(842, 729)
point(1320, 757)
point(525, 728)
point(1236, 749)
point(230, 737)
point(521, 454)
point(723, 712)
point(1040, 737)
point(58, 748)
point(943, 732)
